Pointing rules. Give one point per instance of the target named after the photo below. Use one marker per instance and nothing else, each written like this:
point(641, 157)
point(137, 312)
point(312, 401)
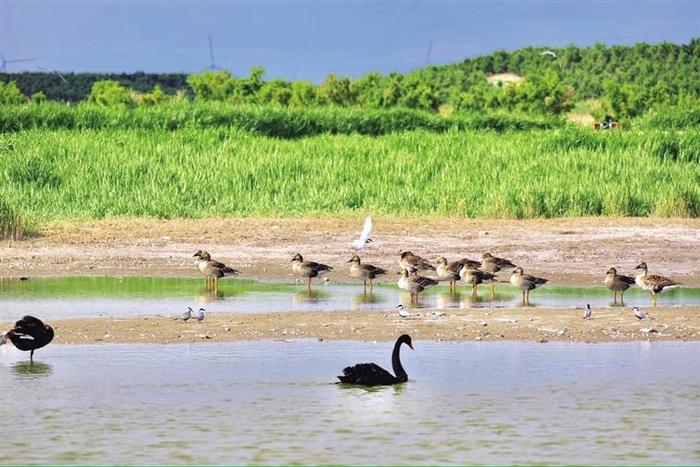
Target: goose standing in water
point(308, 269)
point(654, 284)
point(212, 270)
point(450, 271)
point(526, 282)
point(494, 264)
point(414, 263)
point(474, 277)
point(414, 284)
point(366, 272)
point(29, 333)
point(618, 283)
point(371, 374)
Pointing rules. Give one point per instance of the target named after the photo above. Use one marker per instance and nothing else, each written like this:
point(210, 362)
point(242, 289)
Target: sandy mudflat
point(527, 324)
point(570, 251)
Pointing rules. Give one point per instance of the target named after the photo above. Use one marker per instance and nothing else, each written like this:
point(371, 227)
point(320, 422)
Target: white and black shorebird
point(587, 312)
point(359, 243)
point(199, 315)
point(402, 311)
point(639, 314)
point(185, 316)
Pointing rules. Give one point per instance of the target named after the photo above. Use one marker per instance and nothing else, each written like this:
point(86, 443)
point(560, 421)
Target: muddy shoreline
point(519, 324)
point(568, 251)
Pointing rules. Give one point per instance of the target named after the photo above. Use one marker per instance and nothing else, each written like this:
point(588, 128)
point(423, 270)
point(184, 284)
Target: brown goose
point(414, 284)
point(474, 276)
point(212, 270)
point(526, 282)
point(414, 263)
point(490, 263)
point(308, 269)
point(450, 271)
point(618, 283)
point(654, 284)
point(366, 272)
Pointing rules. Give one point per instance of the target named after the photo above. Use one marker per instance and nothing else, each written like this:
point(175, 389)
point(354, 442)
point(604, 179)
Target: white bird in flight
point(364, 239)
point(588, 312)
point(550, 54)
point(402, 311)
point(639, 314)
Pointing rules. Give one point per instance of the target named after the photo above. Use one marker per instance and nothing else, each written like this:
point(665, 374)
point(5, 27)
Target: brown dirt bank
point(607, 325)
point(568, 251)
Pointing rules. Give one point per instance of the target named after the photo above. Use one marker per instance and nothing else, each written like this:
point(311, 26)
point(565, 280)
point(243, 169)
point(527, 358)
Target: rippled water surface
point(275, 402)
point(107, 296)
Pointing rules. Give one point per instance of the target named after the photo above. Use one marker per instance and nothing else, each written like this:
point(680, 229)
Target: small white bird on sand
point(587, 313)
point(402, 311)
point(185, 316)
point(199, 315)
point(639, 314)
point(364, 239)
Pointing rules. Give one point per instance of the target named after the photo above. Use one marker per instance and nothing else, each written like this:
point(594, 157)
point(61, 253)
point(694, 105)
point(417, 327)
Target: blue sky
point(308, 39)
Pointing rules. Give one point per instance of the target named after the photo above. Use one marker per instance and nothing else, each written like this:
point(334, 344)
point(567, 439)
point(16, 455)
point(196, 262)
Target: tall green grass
point(220, 172)
point(263, 120)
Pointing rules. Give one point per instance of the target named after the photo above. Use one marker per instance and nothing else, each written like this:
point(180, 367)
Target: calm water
point(274, 402)
point(106, 296)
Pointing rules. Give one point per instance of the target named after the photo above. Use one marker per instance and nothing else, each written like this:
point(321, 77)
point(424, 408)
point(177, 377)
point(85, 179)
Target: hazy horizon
point(308, 40)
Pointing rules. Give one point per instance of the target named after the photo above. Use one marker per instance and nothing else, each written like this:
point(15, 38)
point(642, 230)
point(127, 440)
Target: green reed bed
point(53, 175)
point(267, 120)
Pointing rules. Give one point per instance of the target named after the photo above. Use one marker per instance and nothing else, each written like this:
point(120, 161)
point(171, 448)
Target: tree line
point(626, 81)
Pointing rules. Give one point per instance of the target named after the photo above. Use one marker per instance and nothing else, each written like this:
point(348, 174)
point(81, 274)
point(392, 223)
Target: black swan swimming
point(29, 333)
point(371, 374)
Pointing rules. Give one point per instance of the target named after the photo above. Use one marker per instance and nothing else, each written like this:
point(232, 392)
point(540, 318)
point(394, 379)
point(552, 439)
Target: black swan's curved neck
point(400, 373)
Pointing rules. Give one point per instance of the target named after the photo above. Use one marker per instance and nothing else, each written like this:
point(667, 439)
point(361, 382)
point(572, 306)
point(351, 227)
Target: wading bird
point(474, 277)
point(450, 271)
point(308, 269)
point(414, 284)
point(654, 284)
point(29, 333)
point(526, 283)
point(371, 374)
point(212, 270)
point(618, 283)
point(366, 272)
point(359, 243)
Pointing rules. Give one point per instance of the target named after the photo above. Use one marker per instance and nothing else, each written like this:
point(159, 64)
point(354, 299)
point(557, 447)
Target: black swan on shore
point(29, 333)
point(371, 374)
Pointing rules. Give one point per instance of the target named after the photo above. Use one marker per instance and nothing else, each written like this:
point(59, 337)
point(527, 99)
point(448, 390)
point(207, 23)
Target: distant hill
point(628, 79)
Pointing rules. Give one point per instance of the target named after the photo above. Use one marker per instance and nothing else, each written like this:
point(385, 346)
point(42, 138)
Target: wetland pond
point(276, 402)
point(134, 296)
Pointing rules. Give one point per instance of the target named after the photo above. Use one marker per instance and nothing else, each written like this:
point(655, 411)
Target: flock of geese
point(470, 272)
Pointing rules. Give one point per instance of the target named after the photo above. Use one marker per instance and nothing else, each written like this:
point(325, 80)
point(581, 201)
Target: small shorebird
point(414, 263)
point(526, 282)
point(639, 314)
point(587, 312)
point(402, 311)
point(618, 283)
point(450, 271)
point(212, 270)
point(308, 269)
point(654, 284)
point(414, 284)
point(185, 315)
point(475, 277)
point(359, 243)
point(199, 315)
point(29, 333)
point(363, 271)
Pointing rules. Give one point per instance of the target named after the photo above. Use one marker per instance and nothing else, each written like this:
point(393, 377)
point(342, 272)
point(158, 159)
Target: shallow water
point(274, 402)
point(133, 296)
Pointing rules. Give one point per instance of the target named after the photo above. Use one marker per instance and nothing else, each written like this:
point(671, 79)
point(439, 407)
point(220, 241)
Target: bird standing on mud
point(587, 312)
point(29, 333)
